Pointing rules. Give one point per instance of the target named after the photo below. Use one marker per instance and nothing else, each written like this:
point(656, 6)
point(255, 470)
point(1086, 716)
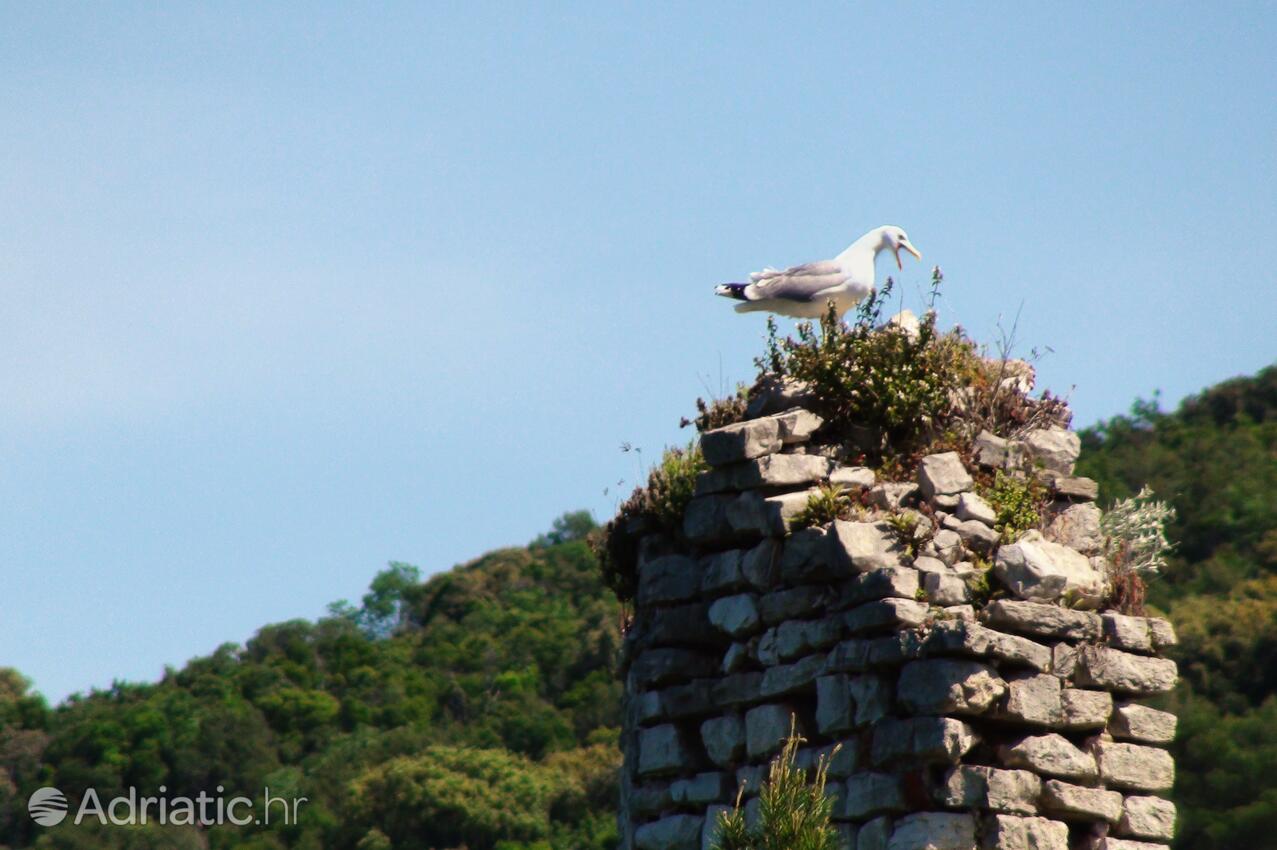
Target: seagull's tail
point(732, 290)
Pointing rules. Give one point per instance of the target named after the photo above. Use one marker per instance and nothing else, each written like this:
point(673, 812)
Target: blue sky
point(288, 291)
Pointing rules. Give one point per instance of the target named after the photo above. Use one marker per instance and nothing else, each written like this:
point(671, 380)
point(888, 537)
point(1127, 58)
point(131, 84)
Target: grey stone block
point(1078, 527)
point(760, 565)
point(888, 582)
point(766, 728)
point(736, 615)
point(945, 588)
point(808, 556)
point(791, 678)
point(875, 834)
point(885, 613)
point(1050, 755)
point(873, 697)
point(1148, 817)
point(793, 604)
point(980, 787)
point(676, 832)
point(1134, 767)
point(662, 751)
point(1085, 709)
point(1140, 723)
point(737, 689)
point(835, 706)
point(959, 637)
point(1114, 670)
point(853, 478)
point(709, 832)
point(655, 667)
point(672, 578)
point(870, 793)
point(943, 475)
point(1034, 568)
point(721, 572)
point(1010, 832)
point(705, 519)
point(1033, 699)
point(933, 831)
point(943, 686)
point(704, 788)
point(1035, 618)
point(1055, 449)
point(650, 798)
point(1129, 633)
point(972, 507)
point(724, 739)
point(741, 441)
point(1074, 802)
point(863, 546)
point(929, 740)
point(802, 637)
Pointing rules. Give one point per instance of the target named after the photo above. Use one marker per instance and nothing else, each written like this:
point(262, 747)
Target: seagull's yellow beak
point(912, 250)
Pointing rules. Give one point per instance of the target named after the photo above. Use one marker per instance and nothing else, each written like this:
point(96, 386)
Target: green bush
point(1017, 503)
point(828, 503)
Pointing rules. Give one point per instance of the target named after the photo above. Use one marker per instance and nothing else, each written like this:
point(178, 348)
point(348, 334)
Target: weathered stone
point(721, 572)
point(736, 658)
point(891, 495)
point(897, 582)
point(1032, 699)
point(1034, 618)
point(705, 519)
point(990, 450)
point(795, 602)
point(724, 739)
point(736, 615)
point(867, 545)
point(946, 546)
point(875, 834)
point(853, 478)
point(753, 514)
point(775, 394)
point(759, 565)
point(786, 470)
point(1009, 832)
point(751, 778)
point(673, 578)
point(1035, 568)
point(767, 647)
point(650, 798)
point(835, 705)
point(948, 504)
point(1107, 843)
point(647, 707)
point(893, 650)
point(1163, 633)
point(1126, 632)
point(741, 441)
point(1135, 767)
point(662, 751)
point(681, 625)
point(797, 425)
point(971, 506)
point(1140, 723)
point(1064, 660)
point(943, 686)
point(960, 612)
point(883, 613)
point(801, 637)
point(1069, 801)
point(921, 739)
point(1148, 817)
point(1082, 489)
point(694, 698)
point(1050, 755)
point(1085, 709)
point(973, 639)
point(1055, 449)
point(655, 667)
point(676, 832)
point(702, 789)
point(979, 787)
point(766, 728)
point(933, 831)
point(928, 564)
point(943, 475)
point(977, 536)
point(870, 793)
point(737, 689)
point(945, 589)
point(844, 835)
point(1119, 671)
point(1078, 527)
point(789, 678)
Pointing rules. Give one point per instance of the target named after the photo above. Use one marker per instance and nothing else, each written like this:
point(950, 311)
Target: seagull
point(804, 292)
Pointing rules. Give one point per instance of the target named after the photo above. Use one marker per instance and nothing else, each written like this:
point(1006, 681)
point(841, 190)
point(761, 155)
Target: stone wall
point(977, 693)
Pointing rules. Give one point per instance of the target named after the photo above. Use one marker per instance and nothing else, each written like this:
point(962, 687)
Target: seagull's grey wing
point(819, 267)
point(807, 282)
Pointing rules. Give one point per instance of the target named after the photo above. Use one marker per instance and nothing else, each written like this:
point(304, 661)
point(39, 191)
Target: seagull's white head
point(897, 240)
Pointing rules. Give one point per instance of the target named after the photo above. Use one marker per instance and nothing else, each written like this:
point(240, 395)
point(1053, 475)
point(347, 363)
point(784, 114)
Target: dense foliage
point(1215, 460)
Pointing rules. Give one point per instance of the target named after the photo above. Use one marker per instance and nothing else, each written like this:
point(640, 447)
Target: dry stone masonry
point(953, 722)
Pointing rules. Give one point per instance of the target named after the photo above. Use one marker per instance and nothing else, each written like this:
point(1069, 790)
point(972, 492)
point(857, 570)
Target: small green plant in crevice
point(906, 526)
point(1136, 547)
point(978, 583)
point(670, 486)
point(1017, 503)
point(828, 503)
point(718, 412)
point(793, 812)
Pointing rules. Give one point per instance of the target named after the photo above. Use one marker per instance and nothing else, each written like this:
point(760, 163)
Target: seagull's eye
point(900, 238)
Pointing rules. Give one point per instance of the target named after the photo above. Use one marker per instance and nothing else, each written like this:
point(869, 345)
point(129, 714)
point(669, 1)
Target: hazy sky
point(288, 291)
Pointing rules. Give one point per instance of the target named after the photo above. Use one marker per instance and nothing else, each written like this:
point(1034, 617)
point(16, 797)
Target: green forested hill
point(478, 708)
point(1215, 460)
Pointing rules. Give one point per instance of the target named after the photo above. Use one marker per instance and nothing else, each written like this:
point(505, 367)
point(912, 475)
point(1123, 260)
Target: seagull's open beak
point(912, 250)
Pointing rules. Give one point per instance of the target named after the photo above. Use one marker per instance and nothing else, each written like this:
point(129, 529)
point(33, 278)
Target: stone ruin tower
point(1000, 710)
